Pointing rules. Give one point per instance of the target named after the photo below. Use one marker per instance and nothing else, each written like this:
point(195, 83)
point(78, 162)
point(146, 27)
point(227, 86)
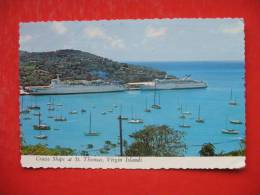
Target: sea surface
point(215, 110)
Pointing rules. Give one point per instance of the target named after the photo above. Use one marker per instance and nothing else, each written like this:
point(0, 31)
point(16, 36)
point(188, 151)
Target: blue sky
point(141, 40)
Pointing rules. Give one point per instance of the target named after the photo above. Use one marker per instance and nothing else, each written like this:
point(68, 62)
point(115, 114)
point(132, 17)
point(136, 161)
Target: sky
point(141, 40)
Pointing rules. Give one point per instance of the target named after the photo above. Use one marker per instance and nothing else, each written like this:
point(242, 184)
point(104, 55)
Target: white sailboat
point(155, 106)
point(199, 119)
point(134, 120)
point(91, 132)
point(146, 106)
point(232, 101)
point(236, 121)
point(230, 131)
point(183, 125)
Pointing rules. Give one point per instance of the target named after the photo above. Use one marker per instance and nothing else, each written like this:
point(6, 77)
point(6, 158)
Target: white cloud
point(152, 32)
point(58, 27)
point(235, 28)
point(98, 33)
point(25, 38)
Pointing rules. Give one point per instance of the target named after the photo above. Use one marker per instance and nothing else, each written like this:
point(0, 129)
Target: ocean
point(213, 100)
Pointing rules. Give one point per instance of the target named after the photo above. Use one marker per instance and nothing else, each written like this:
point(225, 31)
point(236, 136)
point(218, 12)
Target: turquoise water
point(220, 76)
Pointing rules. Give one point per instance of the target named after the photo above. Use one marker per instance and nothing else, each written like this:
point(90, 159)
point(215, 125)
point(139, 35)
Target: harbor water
point(213, 100)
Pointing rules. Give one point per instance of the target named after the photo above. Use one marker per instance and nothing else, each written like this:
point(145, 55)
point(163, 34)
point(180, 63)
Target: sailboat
point(41, 126)
point(26, 111)
point(83, 110)
point(60, 118)
point(120, 113)
point(90, 132)
point(232, 101)
point(182, 115)
point(199, 119)
point(146, 107)
point(51, 105)
point(227, 130)
point(135, 120)
point(236, 122)
point(34, 106)
point(41, 136)
point(183, 125)
point(155, 106)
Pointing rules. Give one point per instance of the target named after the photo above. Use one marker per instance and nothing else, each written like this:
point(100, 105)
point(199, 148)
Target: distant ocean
point(220, 76)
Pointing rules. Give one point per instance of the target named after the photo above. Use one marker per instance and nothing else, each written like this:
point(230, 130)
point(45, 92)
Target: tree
point(207, 149)
point(156, 141)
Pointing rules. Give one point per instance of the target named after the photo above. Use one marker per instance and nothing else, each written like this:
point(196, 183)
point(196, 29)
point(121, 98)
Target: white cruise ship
point(173, 83)
point(59, 87)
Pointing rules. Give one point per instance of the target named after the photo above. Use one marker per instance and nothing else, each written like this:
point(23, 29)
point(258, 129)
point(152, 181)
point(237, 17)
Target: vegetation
point(40, 149)
point(156, 141)
point(38, 68)
point(207, 149)
point(240, 152)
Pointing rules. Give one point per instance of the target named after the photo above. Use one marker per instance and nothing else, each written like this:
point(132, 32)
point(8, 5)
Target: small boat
point(60, 118)
point(41, 136)
point(27, 118)
point(73, 112)
point(37, 114)
point(103, 113)
point(156, 106)
point(59, 104)
point(111, 110)
point(185, 126)
point(199, 119)
point(232, 101)
point(115, 106)
point(187, 113)
point(135, 121)
point(41, 126)
point(124, 118)
point(236, 122)
point(51, 108)
point(230, 131)
point(146, 106)
point(26, 111)
point(83, 110)
point(91, 132)
point(50, 116)
point(34, 107)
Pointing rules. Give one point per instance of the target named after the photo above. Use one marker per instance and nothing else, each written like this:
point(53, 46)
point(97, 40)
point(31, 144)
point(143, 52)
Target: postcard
point(133, 94)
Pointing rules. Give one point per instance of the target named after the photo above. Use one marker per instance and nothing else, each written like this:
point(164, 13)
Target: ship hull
point(174, 87)
point(72, 90)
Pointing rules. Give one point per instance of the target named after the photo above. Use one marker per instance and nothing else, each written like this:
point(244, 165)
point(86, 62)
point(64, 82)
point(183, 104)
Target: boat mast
point(231, 94)
point(199, 113)
point(132, 112)
point(154, 95)
point(90, 122)
point(39, 119)
point(146, 103)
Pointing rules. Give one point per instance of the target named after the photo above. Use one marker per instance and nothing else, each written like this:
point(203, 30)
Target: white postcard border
point(96, 162)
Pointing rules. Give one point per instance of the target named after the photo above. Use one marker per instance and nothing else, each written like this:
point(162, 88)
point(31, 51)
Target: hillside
point(38, 68)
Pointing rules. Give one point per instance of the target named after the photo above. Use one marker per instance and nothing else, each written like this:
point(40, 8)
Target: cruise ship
point(173, 83)
point(74, 87)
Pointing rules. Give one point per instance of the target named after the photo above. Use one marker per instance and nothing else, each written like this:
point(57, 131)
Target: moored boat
point(230, 131)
